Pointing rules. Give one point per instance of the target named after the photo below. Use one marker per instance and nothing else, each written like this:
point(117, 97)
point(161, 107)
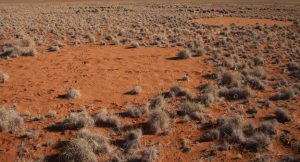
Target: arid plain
point(88, 81)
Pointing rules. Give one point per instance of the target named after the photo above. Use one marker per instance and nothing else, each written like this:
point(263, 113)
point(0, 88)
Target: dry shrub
point(179, 91)
point(234, 93)
point(135, 45)
point(157, 102)
point(184, 54)
point(72, 93)
point(137, 111)
point(150, 155)
point(9, 119)
point(132, 140)
point(78, 150)
point(22, 47)
point(3, 77)
point(157, 122)
point(255, 83)
point(77, 120)
point(106, 119)
point(282, 116)
point(98, 143)
point(191, 109)
point(285, 95)
point(257, 142)
point(135, 90)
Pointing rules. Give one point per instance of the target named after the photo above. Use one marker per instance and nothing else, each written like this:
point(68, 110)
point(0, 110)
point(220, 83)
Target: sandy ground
point(105, 73)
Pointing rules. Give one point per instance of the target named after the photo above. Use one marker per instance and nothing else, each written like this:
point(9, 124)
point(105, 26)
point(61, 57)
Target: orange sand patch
point(241, 21)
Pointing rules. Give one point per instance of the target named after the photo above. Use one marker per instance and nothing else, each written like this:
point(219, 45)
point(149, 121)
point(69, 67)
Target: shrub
point(192, 109)
point(259, 72)
point(158, 121)
point(3, 77)
point(103, 118)
point(157, 102)
point(22, 47)
point(98, 143)
point(77, 120)
point(229, 79)
point(267, 127)
point(136, 112)
point(211, 135)
point(236, 136)
point(208, 88)
point(9, 119)
point(282, 116)
point(197, 52)
point(255, 83)
point(285, 95)
point(51, 114)
point(135, 45)
point(53, 48)
point(184, 54)
point(132, 140)
point(258, 60)
point(248, 129)
point(207, 99)
point(234, 93)
point(257, 142)
point(135, 90)
point(78, 150)
point(72, 93)
point(179, 91)
point(150, 155)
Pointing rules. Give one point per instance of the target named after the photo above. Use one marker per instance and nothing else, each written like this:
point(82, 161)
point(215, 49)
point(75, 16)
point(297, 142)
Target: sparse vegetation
point(245, 56)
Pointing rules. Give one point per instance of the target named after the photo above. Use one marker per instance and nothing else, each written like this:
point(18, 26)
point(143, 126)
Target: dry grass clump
point(157, 102)
point(184, 54)
point(234, 93)
point(157, 122)
point(135, 90)
point(259, 72)
point(72, 93)
point(77, 120)
point(3, 77)
point(53, 48)
point(258, 60)
point(255, 83)
point(137, 111)
point(150, 155)
point(135, 45)
point(98, 143)
point(9, 119)
point(132, 140)
point(229, 79)
point(209, 93)
point(21, 47)
point(285, 95)
point(78, 150)
point(192, 109)
point(105, 119)
point(235, 130)
point(282, 116)
point(257, 142)
point(179, 91)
